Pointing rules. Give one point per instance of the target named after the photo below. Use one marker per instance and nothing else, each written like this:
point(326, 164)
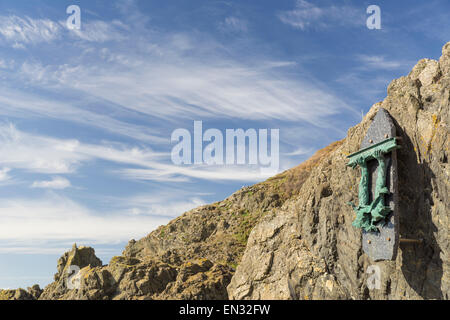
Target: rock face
point(310, 250)
point(32, 293)
point(297, 225)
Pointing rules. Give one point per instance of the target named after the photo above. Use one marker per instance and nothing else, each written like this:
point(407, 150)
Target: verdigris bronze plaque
point(376, 212)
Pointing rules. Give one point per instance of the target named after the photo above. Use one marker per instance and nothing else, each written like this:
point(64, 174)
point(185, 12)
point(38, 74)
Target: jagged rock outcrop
point(83, 258)
point(32, 293)
point(128, 278)
point(309, 248)
point(291, 237)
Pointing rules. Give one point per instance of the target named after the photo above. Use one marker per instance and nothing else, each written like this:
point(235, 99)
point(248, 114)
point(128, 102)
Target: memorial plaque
point(377, 212)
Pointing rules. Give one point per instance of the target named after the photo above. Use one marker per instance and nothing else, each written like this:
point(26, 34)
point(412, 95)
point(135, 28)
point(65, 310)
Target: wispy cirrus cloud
point(36, 153)
point(371, 74)
point(101, 31)
point(205, 86)
point(234, 24)
point(174, 173)
point(158, 204)
point(42, 154)
point(22, 31)
point(307, 15)
point(198, 89)
point(3, 64)
point(55, 183)
point(380, 62)
point(36, 226)
point(25, 104)
point(300, 151)
point(4, 177)
point(26, 30)
point(58, 218)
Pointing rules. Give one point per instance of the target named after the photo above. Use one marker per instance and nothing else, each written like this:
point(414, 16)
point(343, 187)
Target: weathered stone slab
point(383, 245)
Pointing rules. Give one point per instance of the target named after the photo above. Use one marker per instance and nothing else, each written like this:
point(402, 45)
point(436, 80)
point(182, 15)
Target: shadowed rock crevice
point(419, 261)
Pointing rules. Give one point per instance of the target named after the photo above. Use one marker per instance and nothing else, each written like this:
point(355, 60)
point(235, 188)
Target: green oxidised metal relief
point(369, 214)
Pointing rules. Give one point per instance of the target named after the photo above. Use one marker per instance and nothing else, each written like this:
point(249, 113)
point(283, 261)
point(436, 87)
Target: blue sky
point(86, 115)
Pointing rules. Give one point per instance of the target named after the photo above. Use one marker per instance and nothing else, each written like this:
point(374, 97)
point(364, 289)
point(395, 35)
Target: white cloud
point(162, 80)
point(380, 62)
point(60, 219)
point(162, 204)
point(300, 151)
point(234, 24)
point(21, 31)
point(55, 183)
point(36, 153)
point(43, 154)
point(371, 74)
point(100, 31)
point(21, 104)
point(4, 174)
point(206, 86)
point(53, 223)
point(174, 173)
point(190, 88)
point(306, 15)
point(26, 30)
point(186, 87)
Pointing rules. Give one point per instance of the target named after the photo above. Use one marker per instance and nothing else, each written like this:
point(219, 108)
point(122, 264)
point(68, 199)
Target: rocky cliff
point(291, 237)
